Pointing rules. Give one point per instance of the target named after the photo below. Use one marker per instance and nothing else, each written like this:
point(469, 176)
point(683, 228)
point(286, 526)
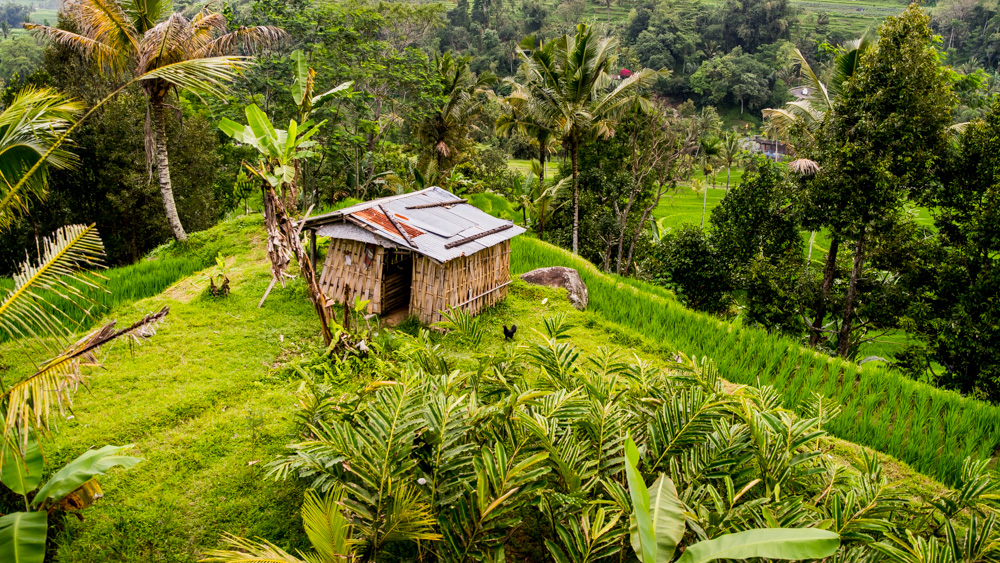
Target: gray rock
point(559, 276)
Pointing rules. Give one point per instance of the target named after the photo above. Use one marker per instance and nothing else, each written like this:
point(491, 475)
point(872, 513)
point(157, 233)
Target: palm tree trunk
point(728, 168)
point(844, 337)
point(820, 307)
point(163, 170)
point(576, 201)
point(541, 160)
point(704, 207)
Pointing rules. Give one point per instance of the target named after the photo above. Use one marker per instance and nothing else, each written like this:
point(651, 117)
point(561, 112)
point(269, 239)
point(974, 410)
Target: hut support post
point(312, 247)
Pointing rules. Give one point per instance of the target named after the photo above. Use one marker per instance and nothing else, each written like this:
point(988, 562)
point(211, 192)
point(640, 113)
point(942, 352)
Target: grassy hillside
point(209, 400)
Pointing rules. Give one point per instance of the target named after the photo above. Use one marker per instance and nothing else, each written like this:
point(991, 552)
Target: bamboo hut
point(425, 251)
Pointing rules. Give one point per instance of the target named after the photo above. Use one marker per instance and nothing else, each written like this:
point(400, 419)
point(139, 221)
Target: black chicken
point(509, 333)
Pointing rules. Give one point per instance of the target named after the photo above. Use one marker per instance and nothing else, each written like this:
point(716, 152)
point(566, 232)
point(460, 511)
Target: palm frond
point(30, 401)
point(200, 76)
point(247, 551)
point(245, 40)
point(325, 524)
point(105, 57)
point(144, 14)
point(164, 44)
point(62, 271)
point(105, 23)
point(31, 129)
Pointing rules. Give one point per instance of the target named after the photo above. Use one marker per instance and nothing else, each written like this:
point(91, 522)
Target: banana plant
point(280, 152)
point(303, 88)
point(658, 524)
point(71, 489)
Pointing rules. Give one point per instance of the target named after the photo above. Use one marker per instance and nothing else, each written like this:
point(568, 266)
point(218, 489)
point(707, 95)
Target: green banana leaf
point(790, 544)
point(643, 522)
point(22, 475)
point(22, 537)
point(83, 469)
point(667, 518)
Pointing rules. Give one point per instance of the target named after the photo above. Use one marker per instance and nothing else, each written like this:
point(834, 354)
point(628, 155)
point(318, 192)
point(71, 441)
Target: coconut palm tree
point(729, 152)
point(575, 91)
point(810, 110)
point(444, 132)
point(520, 114)
point(134, 37)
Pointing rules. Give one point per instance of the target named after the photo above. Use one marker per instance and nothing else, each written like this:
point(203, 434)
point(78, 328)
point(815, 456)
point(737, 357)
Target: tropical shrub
point(539, 448)
point(931, 429)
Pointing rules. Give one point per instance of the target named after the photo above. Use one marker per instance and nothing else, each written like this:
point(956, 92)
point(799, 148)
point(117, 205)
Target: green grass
point(208, 401)
point(125, 285)
point(523, 166)
point(933, 444)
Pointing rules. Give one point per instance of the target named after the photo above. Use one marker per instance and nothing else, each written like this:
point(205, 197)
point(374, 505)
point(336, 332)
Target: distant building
point(775, 150)
point(801, 92)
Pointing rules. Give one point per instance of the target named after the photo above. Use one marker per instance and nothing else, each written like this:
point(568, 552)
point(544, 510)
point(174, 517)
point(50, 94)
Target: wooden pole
point(312, 249)
point(438, 204)
point(477, 236)
point(396, 224)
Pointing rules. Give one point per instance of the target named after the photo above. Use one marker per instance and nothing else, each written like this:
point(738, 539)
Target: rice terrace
point(317, 281)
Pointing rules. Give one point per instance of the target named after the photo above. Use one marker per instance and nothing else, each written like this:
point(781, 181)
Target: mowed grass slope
point(205, 406)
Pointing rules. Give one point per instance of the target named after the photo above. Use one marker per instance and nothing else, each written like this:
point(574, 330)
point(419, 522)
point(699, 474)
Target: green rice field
point(123, 285)
point(931, 429)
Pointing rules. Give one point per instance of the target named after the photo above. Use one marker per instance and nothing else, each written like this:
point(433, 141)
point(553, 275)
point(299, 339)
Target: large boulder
point(566, 278)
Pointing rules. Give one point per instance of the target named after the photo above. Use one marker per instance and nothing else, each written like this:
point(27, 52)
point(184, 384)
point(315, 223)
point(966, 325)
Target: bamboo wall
point(365, 281)
point(436, 287)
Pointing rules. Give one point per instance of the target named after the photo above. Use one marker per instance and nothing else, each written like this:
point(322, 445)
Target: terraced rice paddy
point(124, 285)
point(930, 429)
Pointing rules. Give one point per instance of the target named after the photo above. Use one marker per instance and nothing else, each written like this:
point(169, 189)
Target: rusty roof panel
point(430, 228)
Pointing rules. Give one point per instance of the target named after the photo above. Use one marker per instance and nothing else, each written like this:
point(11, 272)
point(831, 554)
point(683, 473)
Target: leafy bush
point(931, 429)
point(525, 453)
point(689, 264)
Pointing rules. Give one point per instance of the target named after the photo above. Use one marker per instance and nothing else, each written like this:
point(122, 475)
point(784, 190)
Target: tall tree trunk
point(704, 207)
point(819, 308)
point(163, 169)
point(621, 234)
point(541, 160)
point(844, 337)
point(576, 201)
point(728, 168)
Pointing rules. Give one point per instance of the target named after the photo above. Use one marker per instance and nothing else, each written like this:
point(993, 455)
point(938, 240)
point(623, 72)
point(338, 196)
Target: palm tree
point(809, 113)
point(444, 132)
point(138, 36)
point(810, 110)
point(729, 152)
point(521, 114)
point(575, 92)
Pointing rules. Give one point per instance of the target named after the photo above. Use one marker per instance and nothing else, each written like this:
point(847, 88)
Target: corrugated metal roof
point(351, 231)
point(429, 229)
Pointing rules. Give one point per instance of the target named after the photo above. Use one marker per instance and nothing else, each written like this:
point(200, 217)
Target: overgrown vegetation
point(520, 453)
point(882, 409)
